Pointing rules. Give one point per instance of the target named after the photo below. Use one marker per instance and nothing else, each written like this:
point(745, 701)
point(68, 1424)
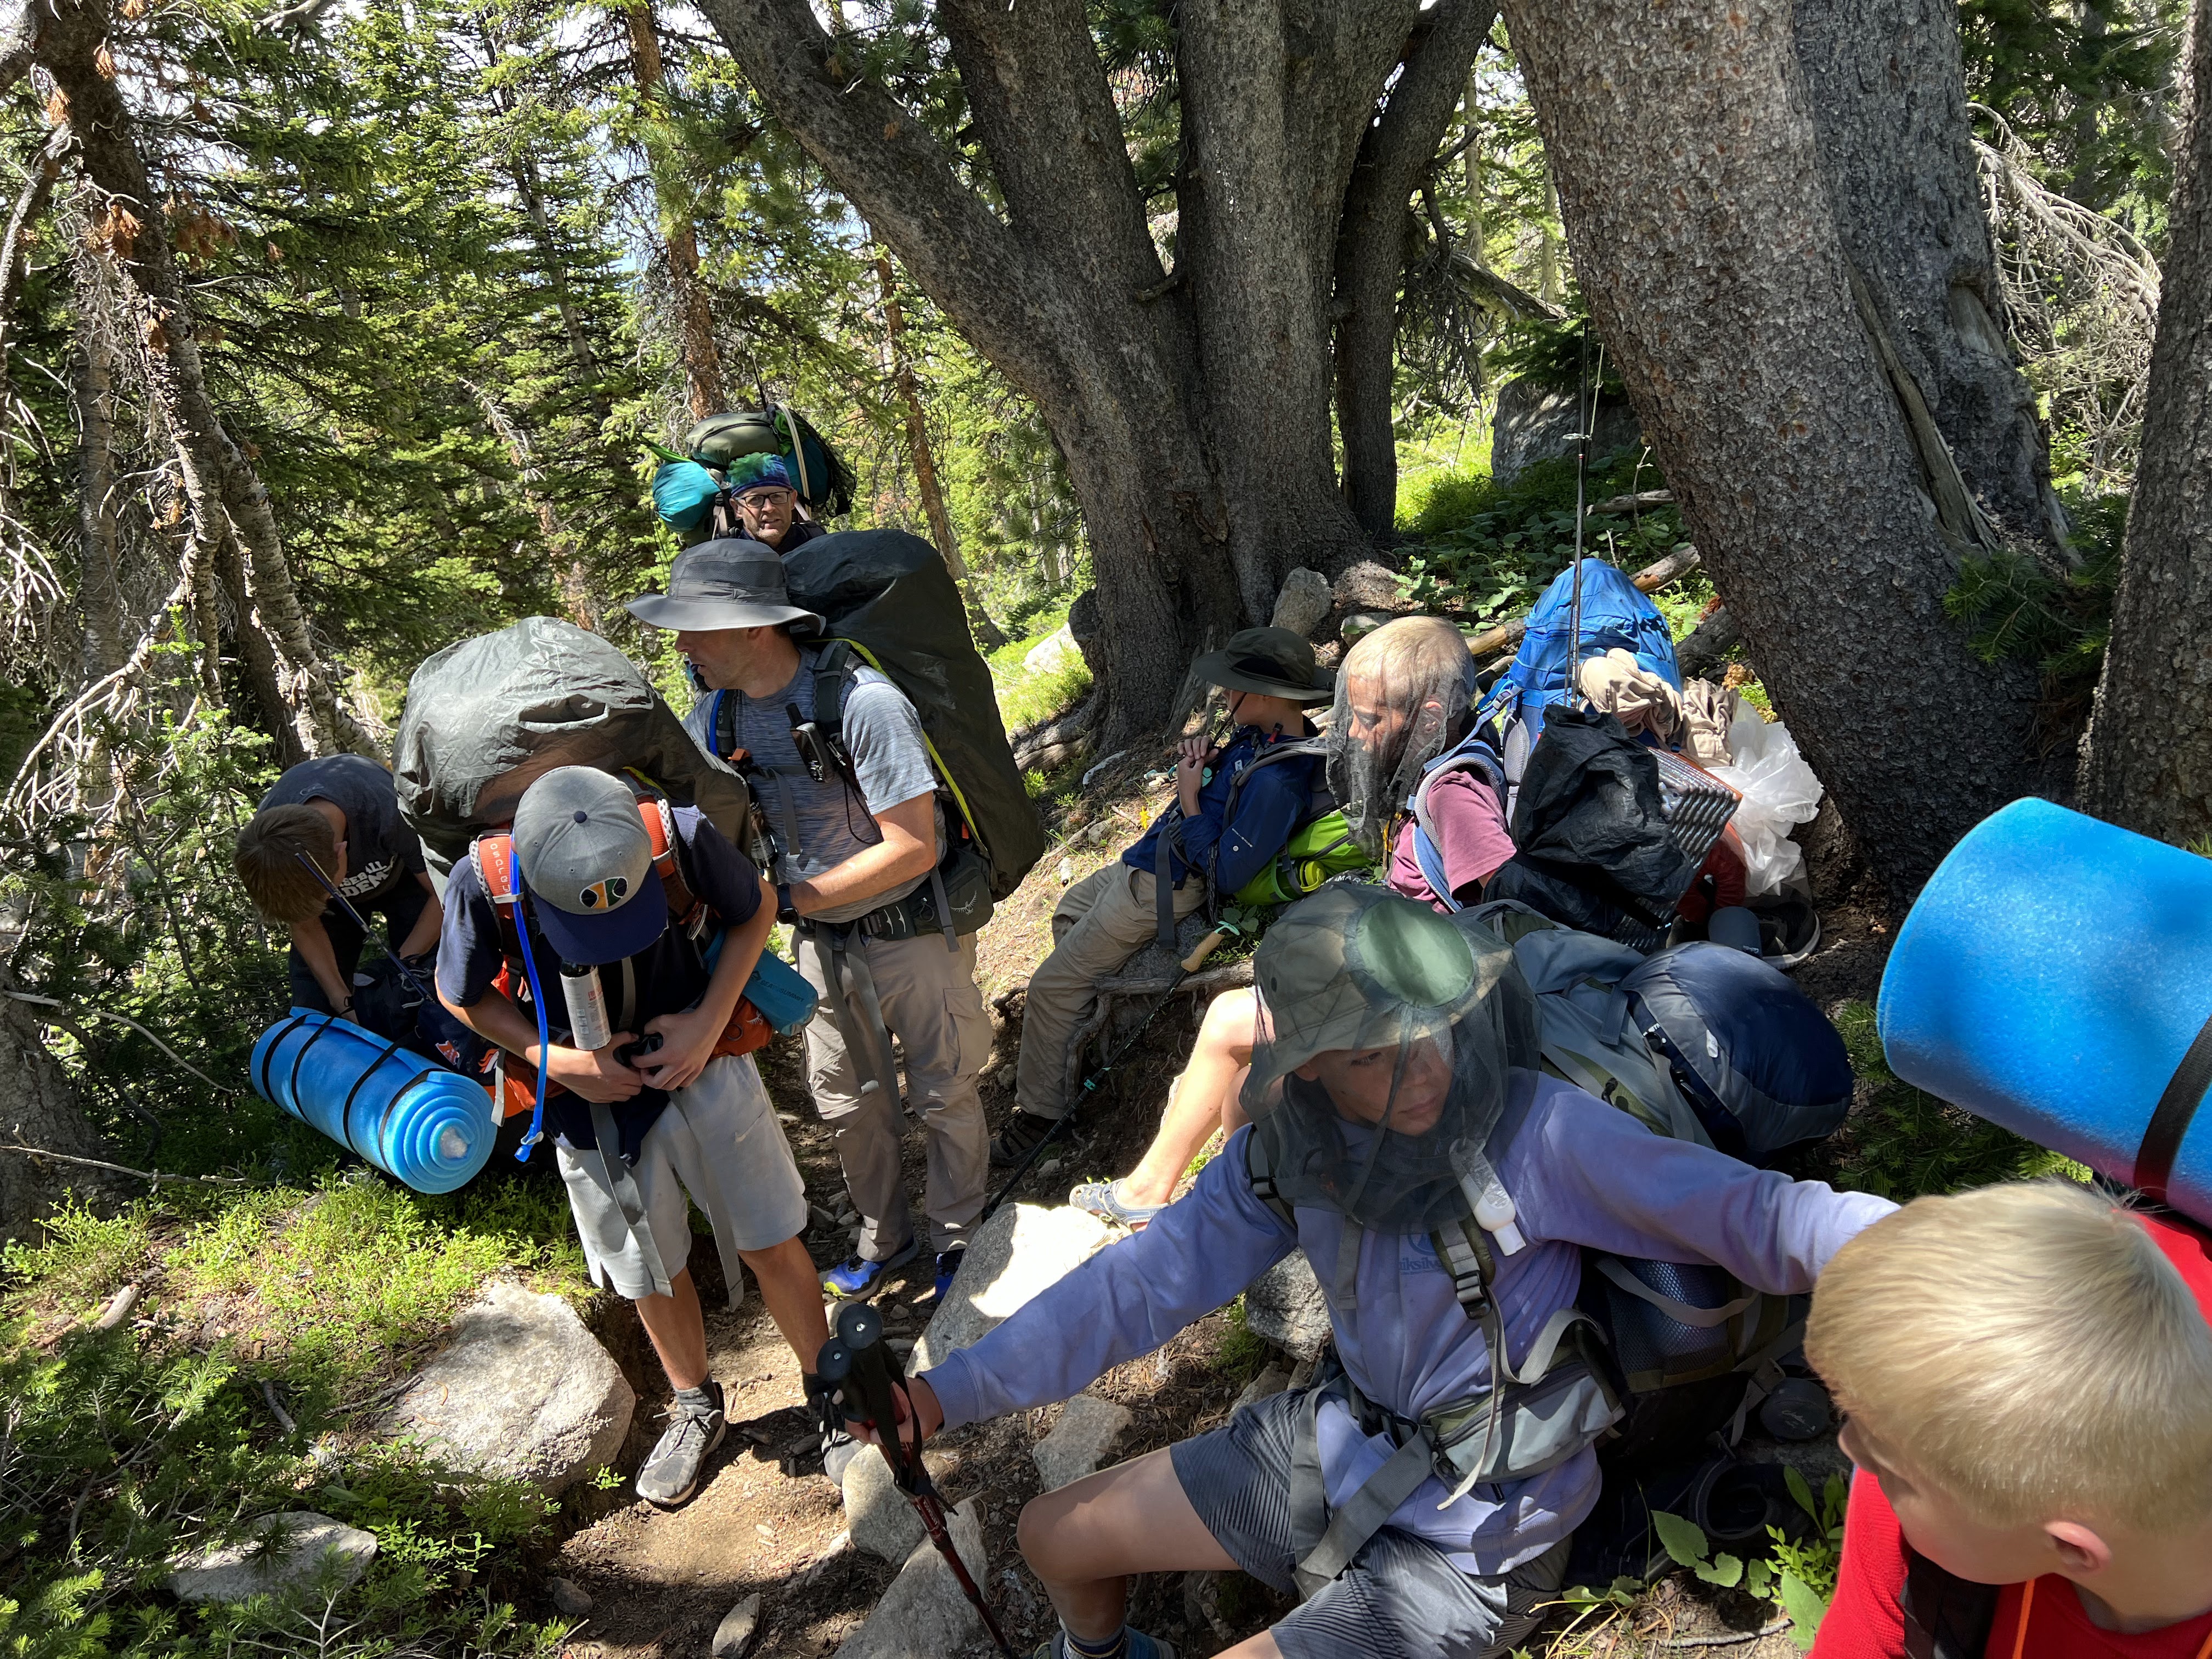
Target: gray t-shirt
point(819, 825)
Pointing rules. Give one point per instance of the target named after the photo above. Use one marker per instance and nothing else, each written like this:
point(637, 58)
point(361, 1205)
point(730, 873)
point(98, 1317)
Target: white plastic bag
point(1779, 792)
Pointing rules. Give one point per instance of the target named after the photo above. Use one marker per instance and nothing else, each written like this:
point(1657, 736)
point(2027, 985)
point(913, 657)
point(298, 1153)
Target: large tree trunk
point(38, 1108)
point(1193, 408)
point(1371, 243)
point(99, 529)
point(1683, 143)
point(906, 386)
point(694, 313)
point(2147, 759)
point(220, 481)
point(1889, 105)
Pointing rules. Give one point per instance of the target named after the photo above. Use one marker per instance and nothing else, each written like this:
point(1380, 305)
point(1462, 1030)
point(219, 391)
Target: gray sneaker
point(671, 1472)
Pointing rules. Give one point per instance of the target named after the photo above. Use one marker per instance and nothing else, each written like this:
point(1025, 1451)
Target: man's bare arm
point(907, 850)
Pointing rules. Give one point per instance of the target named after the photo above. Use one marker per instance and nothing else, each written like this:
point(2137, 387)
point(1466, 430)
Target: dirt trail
point(661, 1582)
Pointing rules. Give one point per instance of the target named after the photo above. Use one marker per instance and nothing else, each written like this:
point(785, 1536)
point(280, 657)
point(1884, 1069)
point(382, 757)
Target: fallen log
point(1649, 580)
point(1642, 502)
point(1700, 654)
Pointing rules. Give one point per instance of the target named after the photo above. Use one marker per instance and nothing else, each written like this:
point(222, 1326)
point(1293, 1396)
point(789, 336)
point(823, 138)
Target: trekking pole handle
point(1207, 947)
point(859, 1333)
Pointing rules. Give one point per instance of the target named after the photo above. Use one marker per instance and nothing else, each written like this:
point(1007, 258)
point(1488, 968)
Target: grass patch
point(1241, 1355)
point(1026, 698)
point(1904, 1142)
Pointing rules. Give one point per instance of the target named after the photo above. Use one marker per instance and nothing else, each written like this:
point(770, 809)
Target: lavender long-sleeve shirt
point(1580, 1173)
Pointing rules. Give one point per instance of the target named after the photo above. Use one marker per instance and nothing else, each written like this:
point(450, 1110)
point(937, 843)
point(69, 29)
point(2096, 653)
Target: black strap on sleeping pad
point(292, 1078)
point(2169, 1123)
point(345, 1110)
point(268, 1054)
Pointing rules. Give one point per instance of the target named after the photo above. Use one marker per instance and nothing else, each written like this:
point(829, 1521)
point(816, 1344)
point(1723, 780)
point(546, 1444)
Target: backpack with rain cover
point(890, 605)
point(1667, 1039)
point(488, 717)
point(1615, 614)
point(818, 472)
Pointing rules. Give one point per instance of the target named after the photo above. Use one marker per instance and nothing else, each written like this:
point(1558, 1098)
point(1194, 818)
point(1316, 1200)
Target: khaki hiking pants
point(1101, 922)
point(931, 1004)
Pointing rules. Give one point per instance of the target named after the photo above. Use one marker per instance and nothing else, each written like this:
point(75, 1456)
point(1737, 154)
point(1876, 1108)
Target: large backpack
point(1615, 613)
point(890, 605)
point(1471, 754)
point(818, 472)
point(486, 718)
point(1668, 1040)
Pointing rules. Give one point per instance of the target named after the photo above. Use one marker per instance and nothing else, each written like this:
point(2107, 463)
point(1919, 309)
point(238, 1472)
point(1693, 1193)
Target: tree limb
point(19, 39)
point(156, 1176)
point(120, 1019)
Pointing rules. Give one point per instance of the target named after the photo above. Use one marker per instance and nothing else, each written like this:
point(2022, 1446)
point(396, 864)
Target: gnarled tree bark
point(1888, 99)
point(1371, 242)
point(38, 1108)
point(2147, 758)
point(1193, 407)
point(1684, 145)
point(220, 483)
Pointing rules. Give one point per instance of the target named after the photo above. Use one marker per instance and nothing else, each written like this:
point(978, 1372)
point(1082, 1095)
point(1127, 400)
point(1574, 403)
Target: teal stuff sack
point(682, 493)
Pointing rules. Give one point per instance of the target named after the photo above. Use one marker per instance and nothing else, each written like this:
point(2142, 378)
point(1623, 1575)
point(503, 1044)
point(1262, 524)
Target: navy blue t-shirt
point(666, 977)
point(381, 851)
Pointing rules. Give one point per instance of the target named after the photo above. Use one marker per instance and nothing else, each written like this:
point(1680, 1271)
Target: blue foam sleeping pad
point(2049, 978)
point(411, 1117)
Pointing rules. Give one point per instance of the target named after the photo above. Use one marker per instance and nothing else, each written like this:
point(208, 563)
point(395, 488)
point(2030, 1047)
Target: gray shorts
point(716, 1144)
point(1399, 1598)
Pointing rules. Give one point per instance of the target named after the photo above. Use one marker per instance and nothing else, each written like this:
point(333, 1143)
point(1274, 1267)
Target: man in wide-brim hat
point(1225, 827)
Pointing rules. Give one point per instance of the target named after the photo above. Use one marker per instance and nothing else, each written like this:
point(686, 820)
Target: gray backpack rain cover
point(487, 717)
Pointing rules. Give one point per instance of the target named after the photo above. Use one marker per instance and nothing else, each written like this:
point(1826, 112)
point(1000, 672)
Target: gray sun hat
point(586, 858)
point(1272, 661)
point(727, 583)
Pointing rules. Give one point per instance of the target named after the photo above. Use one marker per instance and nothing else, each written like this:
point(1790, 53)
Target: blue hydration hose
point(537, 1004)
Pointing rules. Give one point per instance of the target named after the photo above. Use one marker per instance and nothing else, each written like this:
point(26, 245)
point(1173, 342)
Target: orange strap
point(2027, 1604)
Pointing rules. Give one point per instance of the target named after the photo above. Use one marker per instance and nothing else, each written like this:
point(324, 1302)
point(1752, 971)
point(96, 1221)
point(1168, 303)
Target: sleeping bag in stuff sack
point(1756, 1059)
point(1616, 616)
point(819, 475)
point(889, 594)
point(486, 718)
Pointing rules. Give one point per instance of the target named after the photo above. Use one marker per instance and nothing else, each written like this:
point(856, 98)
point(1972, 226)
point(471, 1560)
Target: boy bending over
point(2027, 1370)
point(1394, 1075)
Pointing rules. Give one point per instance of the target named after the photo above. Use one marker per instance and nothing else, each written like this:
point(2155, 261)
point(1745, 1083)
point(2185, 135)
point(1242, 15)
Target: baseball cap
point(729, 582)
point(586, 858)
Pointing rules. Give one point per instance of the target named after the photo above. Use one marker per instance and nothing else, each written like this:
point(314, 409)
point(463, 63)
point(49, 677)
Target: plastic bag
point(1779, 793)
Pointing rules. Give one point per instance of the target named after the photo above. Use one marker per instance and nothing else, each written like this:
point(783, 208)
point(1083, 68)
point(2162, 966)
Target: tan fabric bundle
point(1617, 685)
point(1708, 710)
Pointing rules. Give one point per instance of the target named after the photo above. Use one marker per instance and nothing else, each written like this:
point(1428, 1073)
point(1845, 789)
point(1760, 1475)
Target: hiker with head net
point(1420, 1493)
point(1401, 735)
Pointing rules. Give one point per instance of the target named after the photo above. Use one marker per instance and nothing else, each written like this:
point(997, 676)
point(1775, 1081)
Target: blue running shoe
point(948, 1264)
point(858, 1276)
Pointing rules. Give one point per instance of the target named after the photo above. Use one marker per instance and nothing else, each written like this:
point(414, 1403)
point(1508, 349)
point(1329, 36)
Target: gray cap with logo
point(586, 860)
point(728, 582)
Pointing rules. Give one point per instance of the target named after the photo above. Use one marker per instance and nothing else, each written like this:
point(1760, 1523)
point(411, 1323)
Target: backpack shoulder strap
point(1464, 1250)
point(1471, 754)
point(1260, 1170)
point(836, 667)
point(722, 726)
point(1946, 1617)
point(493, 855)
point(685, 907)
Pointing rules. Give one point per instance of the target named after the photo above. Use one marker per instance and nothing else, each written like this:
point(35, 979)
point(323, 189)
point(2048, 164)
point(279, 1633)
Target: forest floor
point(771, 1524)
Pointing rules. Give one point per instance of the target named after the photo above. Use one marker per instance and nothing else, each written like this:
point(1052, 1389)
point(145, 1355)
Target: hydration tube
point(537, 1004)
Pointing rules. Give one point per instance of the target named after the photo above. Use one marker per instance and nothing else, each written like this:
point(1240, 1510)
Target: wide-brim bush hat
point(729, 582)
point(1272, 661)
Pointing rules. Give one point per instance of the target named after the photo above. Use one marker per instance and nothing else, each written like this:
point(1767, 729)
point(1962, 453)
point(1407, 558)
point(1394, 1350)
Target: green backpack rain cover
point(820, 475)
point(890, 594)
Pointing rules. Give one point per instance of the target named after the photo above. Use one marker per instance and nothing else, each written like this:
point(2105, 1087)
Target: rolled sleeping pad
point(411, 1117)
point(2055, 977)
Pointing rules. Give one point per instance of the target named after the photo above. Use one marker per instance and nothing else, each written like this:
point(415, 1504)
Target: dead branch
point(156, 1176)
point(120, 1019)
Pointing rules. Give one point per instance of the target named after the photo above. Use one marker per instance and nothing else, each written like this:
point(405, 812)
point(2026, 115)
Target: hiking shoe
point(1138, 1645)
point(948, 1263)
point(1020, 1138)
point(858, 1275)
point(1104, 1199)
point(671, 1474)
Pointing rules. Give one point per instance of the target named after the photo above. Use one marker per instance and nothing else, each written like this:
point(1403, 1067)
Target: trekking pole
point(1190, 965)
point(854, 1361)
point(1585, 418)
point(362, 922)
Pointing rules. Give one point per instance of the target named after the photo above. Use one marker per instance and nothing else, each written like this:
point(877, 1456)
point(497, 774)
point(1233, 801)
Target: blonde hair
point(1423, 651)
point(2029, 1351)
point(267, 860)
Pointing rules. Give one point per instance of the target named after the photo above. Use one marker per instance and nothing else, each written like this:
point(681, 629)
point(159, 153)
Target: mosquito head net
point(1388, 1041)
point(1404, 695)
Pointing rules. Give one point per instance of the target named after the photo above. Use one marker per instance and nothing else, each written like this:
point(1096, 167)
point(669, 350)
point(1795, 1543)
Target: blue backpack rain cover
point(1615, 614)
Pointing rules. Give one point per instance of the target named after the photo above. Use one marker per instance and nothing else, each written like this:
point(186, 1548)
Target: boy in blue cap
point(639, 1137)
